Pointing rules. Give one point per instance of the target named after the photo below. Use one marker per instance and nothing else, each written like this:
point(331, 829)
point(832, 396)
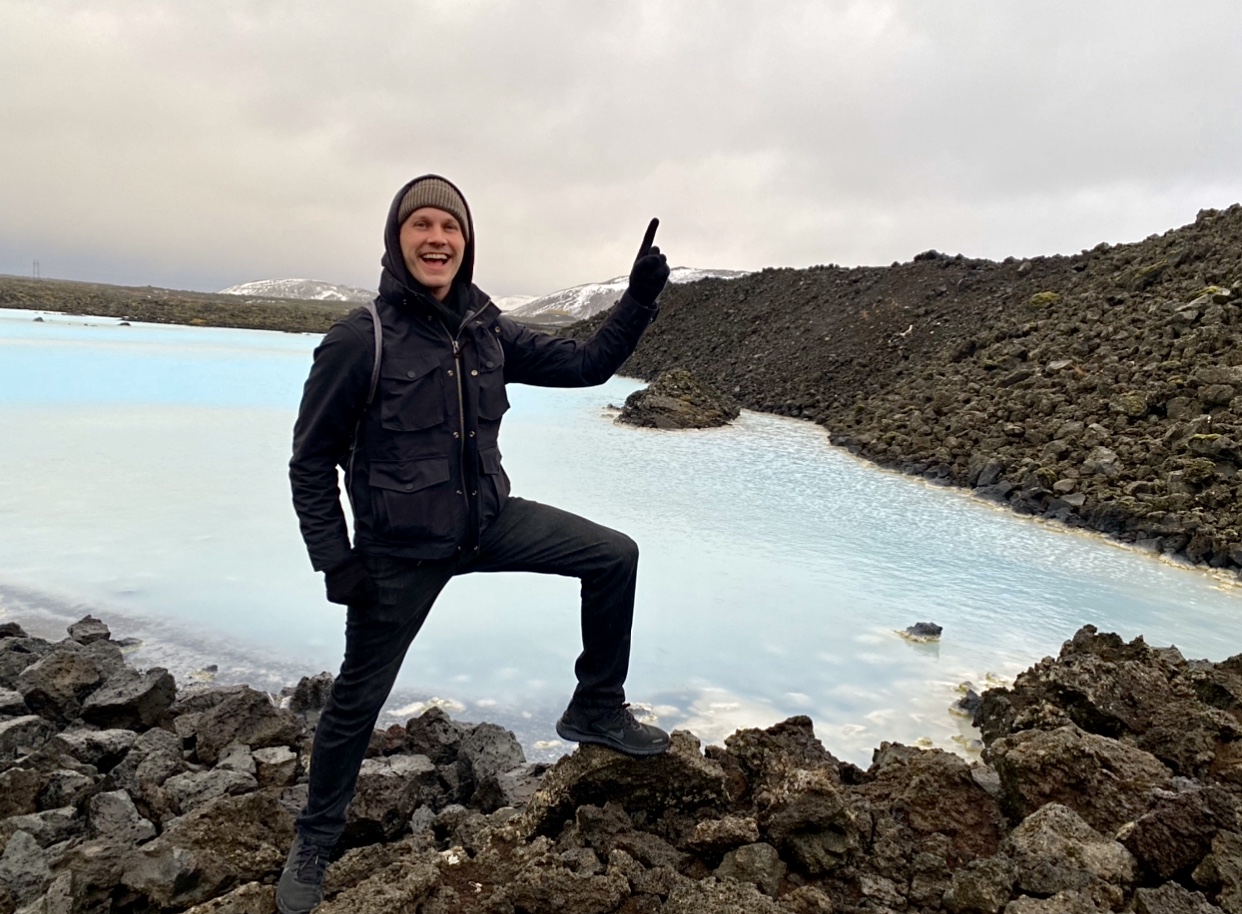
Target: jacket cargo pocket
point(493, 400)
point(412, 394)
point(416, 498)
point(493, 484)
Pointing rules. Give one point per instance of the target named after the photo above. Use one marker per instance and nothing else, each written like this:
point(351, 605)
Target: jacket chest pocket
point(412, 394)
point(493, 401)
point(416, 498)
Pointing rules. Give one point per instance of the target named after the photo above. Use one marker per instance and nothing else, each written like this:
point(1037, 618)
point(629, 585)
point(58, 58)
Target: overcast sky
point(201, 144)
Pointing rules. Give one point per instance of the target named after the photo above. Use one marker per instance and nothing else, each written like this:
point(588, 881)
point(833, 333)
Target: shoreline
point(1100, 389)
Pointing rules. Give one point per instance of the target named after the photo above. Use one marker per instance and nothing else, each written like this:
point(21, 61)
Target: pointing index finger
point(649, 238)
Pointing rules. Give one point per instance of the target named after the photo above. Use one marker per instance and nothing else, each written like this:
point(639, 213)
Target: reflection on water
point(144, 481)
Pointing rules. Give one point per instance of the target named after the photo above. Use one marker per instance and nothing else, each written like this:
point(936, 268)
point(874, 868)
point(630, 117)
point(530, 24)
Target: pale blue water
point(144, 480)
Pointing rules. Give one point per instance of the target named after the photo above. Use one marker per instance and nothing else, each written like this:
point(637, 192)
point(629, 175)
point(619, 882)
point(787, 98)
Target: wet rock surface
point(1102, 390)
point(679, 399)
point(1084, 802)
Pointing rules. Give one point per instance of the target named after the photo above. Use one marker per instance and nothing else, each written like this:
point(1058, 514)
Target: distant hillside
point(579, 302)
point(169, 306)
point(301, 289)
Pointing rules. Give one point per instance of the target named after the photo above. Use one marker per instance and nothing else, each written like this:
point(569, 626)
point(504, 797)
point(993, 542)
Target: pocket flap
point(409, 476)
point(489, 460)
point(407, 368)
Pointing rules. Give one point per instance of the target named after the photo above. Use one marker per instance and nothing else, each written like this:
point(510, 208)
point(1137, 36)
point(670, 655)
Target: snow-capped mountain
point(582, 301)
point(509, 302)
point(305, 289)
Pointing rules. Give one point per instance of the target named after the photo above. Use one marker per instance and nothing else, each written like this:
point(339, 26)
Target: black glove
point(650, 271)
point(350, 584)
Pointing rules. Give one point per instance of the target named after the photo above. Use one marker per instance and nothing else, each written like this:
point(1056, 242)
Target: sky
point(201, 143)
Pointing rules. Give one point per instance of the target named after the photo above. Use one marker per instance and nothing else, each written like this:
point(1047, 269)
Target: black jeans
point(526, 536)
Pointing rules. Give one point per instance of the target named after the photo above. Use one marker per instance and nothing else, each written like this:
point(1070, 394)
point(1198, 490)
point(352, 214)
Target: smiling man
point(409, 399)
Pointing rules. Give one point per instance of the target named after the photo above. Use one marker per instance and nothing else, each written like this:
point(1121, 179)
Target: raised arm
point(538, 358)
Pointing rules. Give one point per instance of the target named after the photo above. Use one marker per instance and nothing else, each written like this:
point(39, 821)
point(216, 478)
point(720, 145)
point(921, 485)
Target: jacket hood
point(395, 278)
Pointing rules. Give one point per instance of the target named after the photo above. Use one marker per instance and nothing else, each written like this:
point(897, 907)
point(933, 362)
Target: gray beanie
point(438, 193)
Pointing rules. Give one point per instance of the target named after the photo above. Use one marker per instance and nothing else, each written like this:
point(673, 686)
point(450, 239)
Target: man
point(417, 433)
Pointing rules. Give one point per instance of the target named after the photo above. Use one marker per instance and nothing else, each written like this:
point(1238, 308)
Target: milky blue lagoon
point(144, 481)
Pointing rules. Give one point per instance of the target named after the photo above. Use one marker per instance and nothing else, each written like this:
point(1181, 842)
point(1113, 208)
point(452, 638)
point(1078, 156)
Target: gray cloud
point(203, 144)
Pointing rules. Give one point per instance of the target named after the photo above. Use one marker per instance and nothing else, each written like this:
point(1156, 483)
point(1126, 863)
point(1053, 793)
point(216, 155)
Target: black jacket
point(426, 478)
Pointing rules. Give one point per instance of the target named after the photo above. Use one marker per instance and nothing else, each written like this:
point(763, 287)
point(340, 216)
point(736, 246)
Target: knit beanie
point(438, 193)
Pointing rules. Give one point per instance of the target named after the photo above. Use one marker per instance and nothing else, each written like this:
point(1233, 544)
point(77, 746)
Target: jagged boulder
point(20, 735)
point(102, 749)
point(224, 843)
point(930, 791)
point(17, 652)
point(1171, 898)
point(982, 886)
point(1106, 782)
point(245, 716)
point(713, 837)
point(758, 864)
point(113, 816)
point(766, 757)
point(1153, 698)
point(25, 867)
point(89, 629)
point(712, 896)
point(192, 789)
point(310, 696)
point(681, 778)
point(54, 686)
point(1177, 833)
point(131, 700)
point(1056, 851)
point(435, 735)
point(154, 757)
point(555, 887)
point(402, 885)
point(389, 790)
point(12, 704)
point(810, 817)
point(276, 766)
point(251, 898)
point(1221, 871)
point(678, 399)
point(51, 826)
point(1069, 902)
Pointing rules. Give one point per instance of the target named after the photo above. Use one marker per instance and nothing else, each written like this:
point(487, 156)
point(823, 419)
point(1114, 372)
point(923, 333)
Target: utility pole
point(34, 270)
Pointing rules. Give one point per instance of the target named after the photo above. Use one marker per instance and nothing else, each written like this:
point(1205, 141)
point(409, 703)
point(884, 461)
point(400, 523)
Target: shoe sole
point(564, 731)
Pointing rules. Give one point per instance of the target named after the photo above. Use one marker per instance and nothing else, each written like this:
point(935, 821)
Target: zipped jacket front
point(426, 478)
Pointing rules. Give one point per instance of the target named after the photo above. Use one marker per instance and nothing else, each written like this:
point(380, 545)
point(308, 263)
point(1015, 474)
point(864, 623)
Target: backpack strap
point(375, 375)
point(379, 350)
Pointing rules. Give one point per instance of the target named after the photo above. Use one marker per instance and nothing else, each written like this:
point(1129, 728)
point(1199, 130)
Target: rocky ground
point(167, 306)
point(1111, 781)
point(1101, 390)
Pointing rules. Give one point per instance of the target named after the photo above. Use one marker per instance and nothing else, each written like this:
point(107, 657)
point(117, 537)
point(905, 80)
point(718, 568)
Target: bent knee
point(623, 549)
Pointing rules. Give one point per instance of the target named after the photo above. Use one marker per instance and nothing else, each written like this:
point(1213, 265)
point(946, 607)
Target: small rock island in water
point(679, 399)
point(1111, 780)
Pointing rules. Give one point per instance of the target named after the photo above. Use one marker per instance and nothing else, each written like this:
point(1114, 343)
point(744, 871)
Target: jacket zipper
point(461, 417)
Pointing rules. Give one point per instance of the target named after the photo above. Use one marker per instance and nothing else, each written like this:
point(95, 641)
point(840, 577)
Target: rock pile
point(678, 399)
point(1111, 781)
point(120, 793)
point(1103, 390)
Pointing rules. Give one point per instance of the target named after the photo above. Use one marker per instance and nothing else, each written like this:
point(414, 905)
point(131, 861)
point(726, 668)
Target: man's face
point(432, 245)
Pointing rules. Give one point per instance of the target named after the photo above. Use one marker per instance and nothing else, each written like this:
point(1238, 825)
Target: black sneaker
point(615, 728)
point(301, 882)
